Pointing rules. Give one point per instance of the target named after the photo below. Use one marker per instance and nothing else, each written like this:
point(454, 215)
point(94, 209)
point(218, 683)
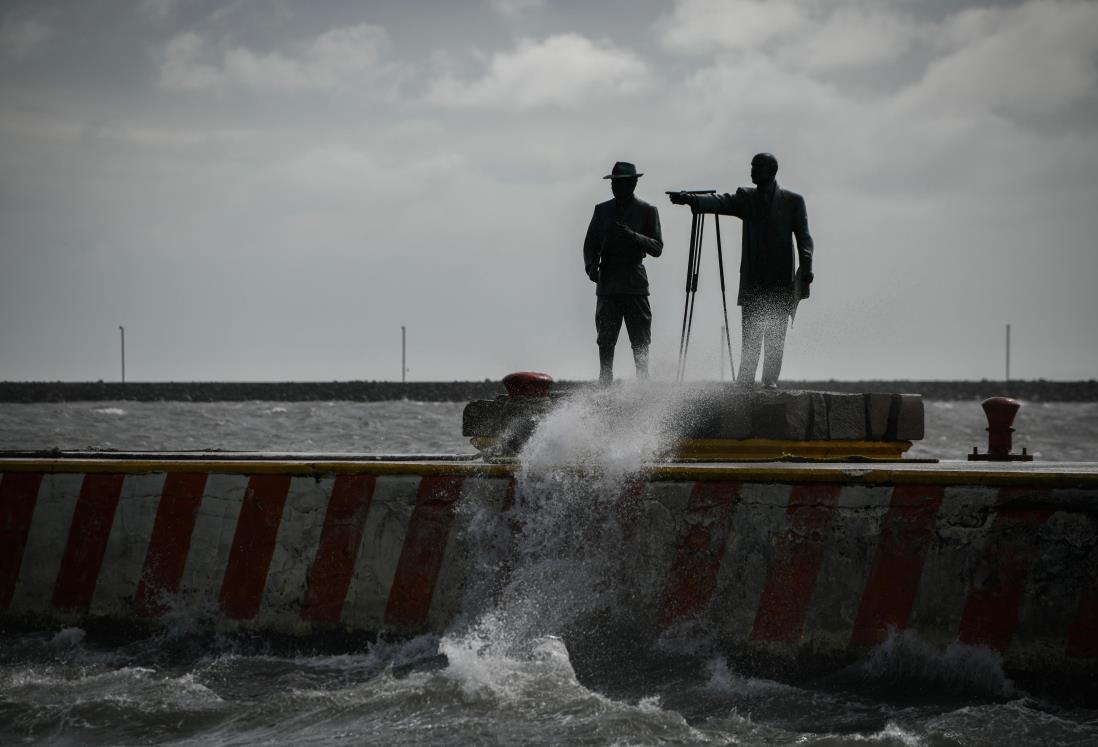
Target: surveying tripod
point(693, 268)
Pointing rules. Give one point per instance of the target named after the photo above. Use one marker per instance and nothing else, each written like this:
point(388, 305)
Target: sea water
point(540, 654)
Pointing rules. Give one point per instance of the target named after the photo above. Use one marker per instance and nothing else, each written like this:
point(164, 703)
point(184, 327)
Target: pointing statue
point(623, 231)
point(770, 289)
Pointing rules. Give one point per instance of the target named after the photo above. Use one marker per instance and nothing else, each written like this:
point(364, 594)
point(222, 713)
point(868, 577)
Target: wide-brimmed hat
point(623, 170)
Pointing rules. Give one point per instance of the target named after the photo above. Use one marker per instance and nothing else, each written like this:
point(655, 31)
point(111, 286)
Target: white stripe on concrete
point(127, 545)
point(850, 545)
point(211, 542)
point(479, 532)
point(46, 542)
point(294, 553)
point(757, 523)
point(960, 534)
point(1059, 569)
point(378, 554)
point(652, 531)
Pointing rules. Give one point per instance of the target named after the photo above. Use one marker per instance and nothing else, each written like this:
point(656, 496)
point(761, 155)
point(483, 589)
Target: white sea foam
point(726, 681)
point(904, 656)
point(68, 638)
point(109, 411)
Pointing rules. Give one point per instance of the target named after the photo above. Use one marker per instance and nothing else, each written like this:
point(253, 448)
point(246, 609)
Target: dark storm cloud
point(269, 190)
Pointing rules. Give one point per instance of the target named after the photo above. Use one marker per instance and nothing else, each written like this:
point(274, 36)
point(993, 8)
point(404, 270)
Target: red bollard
point(528, 384)
point(1000, 412)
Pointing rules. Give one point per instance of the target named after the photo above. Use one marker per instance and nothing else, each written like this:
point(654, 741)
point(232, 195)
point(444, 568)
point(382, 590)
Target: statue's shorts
point(610, 310)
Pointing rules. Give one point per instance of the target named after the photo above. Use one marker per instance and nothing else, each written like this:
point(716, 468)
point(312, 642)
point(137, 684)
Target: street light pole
point(403, 355)
point(122, 331)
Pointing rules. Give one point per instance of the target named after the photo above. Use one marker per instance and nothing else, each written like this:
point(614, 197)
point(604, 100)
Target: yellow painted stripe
point(256, 467)
point(1085, 476)
point(720, 449)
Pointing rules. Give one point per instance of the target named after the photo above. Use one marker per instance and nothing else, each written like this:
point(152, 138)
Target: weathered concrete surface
point(771, 561)
point(727, 412)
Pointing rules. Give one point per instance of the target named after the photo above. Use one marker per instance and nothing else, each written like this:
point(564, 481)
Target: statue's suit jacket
point(618, 262)
point(766, 256)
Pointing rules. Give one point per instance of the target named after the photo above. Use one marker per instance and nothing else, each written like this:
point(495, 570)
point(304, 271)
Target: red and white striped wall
point(823, 565)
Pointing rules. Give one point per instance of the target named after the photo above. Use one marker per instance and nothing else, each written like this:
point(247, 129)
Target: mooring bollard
point(528, 384)
point(1000, 412)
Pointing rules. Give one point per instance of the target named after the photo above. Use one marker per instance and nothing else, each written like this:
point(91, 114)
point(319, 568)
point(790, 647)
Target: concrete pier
point(780, 561)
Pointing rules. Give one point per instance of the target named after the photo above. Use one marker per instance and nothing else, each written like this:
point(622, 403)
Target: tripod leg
point(686, 307)
point(693, 294)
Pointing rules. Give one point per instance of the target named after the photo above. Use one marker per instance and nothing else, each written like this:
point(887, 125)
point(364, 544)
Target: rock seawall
point(465, 391)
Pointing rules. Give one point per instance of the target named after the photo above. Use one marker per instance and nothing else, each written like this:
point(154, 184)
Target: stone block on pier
point(845, 417)
point(817, 423)
point(481, 417)
point(781, 415)
point(906, 418)
point(877, 407)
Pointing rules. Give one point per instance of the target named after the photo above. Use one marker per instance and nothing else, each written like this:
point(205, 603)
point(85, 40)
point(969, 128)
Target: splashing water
point(576, 486)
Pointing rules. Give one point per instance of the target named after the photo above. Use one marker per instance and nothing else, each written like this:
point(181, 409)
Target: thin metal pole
point(122, 330)
point(403, 355)
point(689, 275)
point(724, 299)
point(722, 352)
point(1008, 353)
point(693, 295)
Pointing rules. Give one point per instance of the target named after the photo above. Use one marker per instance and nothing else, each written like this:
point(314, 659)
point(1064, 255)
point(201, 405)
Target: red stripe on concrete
point(791, 578)
point(627, 508)
point(1083, 634)
point(421, 557)
point(88, 535)
point(330, 576)
point(994, 601)
point(893, 583)
point(700, 552)
point(253, 545)
point(18, 496)
point(170, 540)
point(509, 496)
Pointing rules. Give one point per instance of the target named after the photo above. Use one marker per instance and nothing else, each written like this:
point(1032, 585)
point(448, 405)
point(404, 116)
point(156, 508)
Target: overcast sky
point(269, 190)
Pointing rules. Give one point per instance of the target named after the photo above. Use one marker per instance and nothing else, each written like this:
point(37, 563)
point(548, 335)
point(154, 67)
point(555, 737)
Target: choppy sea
point(530, 662)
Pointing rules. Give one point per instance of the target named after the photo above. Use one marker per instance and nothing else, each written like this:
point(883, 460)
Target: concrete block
point(877, 407)
point(715, 413)
point(733, 416)
point(481, 417)
point(817, 421)
point(845, 417)
point(781, 415)
point(905, 419)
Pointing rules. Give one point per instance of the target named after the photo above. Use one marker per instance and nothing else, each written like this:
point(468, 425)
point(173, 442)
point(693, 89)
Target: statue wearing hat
point(622, 232)
point(771, 283)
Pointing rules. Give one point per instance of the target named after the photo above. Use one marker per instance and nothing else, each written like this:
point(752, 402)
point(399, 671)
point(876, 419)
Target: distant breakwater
point(464, 391)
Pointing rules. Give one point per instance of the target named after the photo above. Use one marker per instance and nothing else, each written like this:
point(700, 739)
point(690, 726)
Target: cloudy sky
point(263, 190)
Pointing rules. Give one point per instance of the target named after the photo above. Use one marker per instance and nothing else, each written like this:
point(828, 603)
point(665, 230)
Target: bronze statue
point(622, 231)
point(769, 288)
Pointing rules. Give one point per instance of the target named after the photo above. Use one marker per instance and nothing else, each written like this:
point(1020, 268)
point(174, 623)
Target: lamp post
point(122, 331)
point(403, 355)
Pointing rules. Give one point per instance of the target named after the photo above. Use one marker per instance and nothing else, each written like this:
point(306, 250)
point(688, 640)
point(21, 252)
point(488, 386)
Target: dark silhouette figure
point(622, 231)
point(769, 288)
